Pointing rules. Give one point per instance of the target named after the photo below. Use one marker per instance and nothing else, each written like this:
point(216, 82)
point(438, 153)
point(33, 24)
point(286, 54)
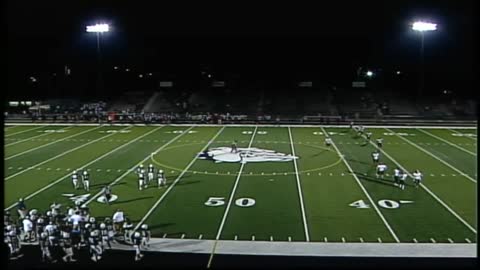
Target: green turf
point(326, 184)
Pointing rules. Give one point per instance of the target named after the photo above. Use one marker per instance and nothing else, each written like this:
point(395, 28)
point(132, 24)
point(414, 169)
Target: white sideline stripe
point(443, 140)
point(176, 180)
point(23, 131)
point(135, 166)
point(233, 190)
point(427, 190)
point(458, 132)
point(304, 216)
point(66, 175)
point(41, 146)
point(57, 156)
point(434, 156)
point(30, 138)
point(239, 125)
point(364, 190)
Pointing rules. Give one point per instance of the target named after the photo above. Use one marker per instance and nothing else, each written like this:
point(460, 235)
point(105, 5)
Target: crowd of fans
point(70, 231)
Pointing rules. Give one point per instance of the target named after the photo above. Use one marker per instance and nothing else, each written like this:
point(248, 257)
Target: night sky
point(242, 39)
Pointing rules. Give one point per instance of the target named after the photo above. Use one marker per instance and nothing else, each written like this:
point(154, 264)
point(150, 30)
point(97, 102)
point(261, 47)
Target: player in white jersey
point(139, 168)
point(381, 169)
point(375, 157)
point(86, 180)
point(75, 179)
point(151, 173)
point(380, 142)
point(417, 177)
point(328, 141)
point(397, 174)
point(161, 179)
point(141, 180)
point(403, 178)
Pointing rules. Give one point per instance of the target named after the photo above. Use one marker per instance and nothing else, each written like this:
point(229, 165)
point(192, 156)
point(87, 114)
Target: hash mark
point(10, 168)
point(39, 169)
point(183, 236)
point(454, 174)
point(235, 238)
point(289, 239)
point(48, 169)
point(379, 240)
point(450, 240)
point(343, 239)
point(361, 239)
point(58, 169)
point(253, 237)
point(415, 240)
point(271, 238)
point(468, 240)
point(200, 237)
point(433, 240)
point(443, 174)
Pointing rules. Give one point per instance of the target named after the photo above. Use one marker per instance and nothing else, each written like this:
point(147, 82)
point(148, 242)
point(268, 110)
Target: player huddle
point(84, 177)
point(148, 177)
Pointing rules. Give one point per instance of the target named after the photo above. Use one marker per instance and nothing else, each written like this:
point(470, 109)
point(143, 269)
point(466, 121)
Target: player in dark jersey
point(234, 147)
point(107, 193)
point(137, 243)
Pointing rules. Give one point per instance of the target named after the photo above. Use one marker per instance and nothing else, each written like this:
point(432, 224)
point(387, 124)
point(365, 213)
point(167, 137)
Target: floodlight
point(369, 73)
point(98, 28)
point(424, 26)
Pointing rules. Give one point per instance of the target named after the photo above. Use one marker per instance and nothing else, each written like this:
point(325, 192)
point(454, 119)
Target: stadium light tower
point(98, 29)
point(423, 27)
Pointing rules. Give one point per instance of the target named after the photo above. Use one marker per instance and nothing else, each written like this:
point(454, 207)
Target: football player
point(375, 157)
point(397, 174)
point(369, 135)
point(361, 129)
point(86, 180)
point(94, 243)
point(141, 180)
point(137, 242)
point(328, 141)
point(234, 147)
point(151, 173)
point(161, 179)
point(75, 179)
point(139, 169)
point(417, 177)
point(105, 236)
point(351, 124)
point(381, 168)
point(380, 142)
point(45, 247)
point(403, 178)
point(146, 234)
point(67, 247)
point(107, 193)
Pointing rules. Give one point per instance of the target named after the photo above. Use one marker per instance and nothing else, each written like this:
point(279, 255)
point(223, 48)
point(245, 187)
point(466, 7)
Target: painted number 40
point(389, 204)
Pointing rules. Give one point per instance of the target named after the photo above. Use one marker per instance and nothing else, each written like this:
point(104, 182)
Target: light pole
point(98, 29)
point(422, 27)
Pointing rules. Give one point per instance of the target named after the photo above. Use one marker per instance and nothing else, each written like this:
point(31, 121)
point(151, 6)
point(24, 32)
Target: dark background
point(275, 43)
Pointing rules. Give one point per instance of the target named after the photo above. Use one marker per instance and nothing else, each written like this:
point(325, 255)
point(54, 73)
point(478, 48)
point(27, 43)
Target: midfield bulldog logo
point(244, 155)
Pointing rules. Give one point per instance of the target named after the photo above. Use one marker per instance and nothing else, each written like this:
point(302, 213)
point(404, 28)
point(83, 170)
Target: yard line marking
point(60, 155)
point(80, 168)
point(415, 240)
point(427, 190)
point(458, 132)
point(29, 138)
point(24, 131)
point(432, 155)
point(433, 240)
point(450, 240)
point(41, 146)
point(222, 223)
point(365, 191)
point(468, 240)
point(443, 140)
point(136, 165)
point(299, 188)
point(176, 180)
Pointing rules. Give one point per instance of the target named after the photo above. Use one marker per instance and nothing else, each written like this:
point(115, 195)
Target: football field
point(290, 187)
